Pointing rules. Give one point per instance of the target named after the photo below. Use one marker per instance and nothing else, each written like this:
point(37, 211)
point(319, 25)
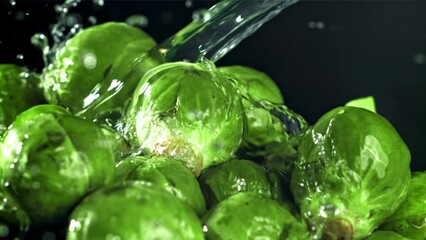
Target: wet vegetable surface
point(181, 125)
point(344, 177)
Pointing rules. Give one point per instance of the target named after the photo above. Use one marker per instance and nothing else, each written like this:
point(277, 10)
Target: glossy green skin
point(18, 92)
point(169, 174)
point(344, 178)
point(194, 102)
point(247, 216)
point(133, 211)
point(93, 90)
point(49, 159)
point(260, 86)
point(409, 219)
point(385, 235)
point(229, 178)
point(272, 135)
point(266, 137)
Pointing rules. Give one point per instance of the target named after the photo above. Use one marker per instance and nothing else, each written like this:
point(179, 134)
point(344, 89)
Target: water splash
point(137, 20)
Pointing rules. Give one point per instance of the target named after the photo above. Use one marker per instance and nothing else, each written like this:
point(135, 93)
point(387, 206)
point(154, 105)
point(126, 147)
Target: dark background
point(321, 53)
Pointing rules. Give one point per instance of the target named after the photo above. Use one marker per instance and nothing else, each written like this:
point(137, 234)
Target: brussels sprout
point(229, 178)
point(49, 159)
point(383, 235)
point(119, 145)
point(133, 210)
point(169, 174)
point(252, 216)
point(259, 85)
point(190, 111)
point(409, 219)
point(11, 212)
point(344, 177)
point(18, 92)
point(272, 131)
point(272, 135)
point(97, 70)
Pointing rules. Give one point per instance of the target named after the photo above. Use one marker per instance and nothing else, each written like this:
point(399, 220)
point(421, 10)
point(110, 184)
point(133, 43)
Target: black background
point(321, 53)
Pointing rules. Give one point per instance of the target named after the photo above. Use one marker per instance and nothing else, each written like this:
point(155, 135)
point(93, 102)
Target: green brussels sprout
point(133, 210)
point(229, 178)
point(385, 235)
point(11, 212)
point(190, 111)
point(272, 130)
point(18, 92)
point(49, 159)
point(344, 177)
point(409, 219)
point(259, 85)
point(97, 70)
point(118, 143)
point(272, 135)
point(249, 215)
point(169, 174)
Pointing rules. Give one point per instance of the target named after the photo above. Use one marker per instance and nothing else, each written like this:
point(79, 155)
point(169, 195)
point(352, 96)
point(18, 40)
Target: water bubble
point(137, 20)
point(166, 17)
point(92, 20)
point(199, 14)
point(89, 60)
point(12, 2)
point(72, 20)
point(419, 58)
point(188, 3)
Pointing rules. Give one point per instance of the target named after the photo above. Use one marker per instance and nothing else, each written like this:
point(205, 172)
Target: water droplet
point(205, 228)
point(12, 2)
point(72, 20)
point(239, 19)
point(89, 60)
point(74, 225)
point(137, 20)
point(419, 58)
point(100, 3)
point(166, 17)
point(19, 56)
point(92, 20)
point(316, 25)
point(188, 3)
point(199, 14)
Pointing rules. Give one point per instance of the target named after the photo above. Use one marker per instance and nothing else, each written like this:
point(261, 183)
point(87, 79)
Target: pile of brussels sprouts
point(112, 142)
